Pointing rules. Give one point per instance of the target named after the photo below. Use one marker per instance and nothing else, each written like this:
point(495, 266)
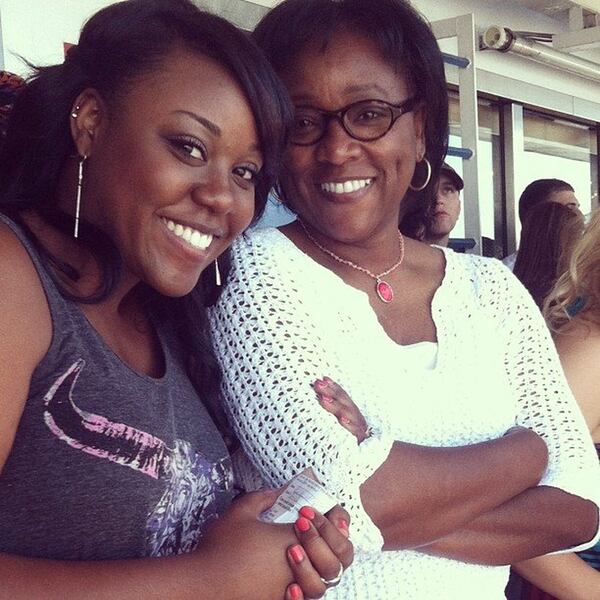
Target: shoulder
point(256, 240)
point(482, 273)
point(579, 351)
point(25, 332)
point(24, 309)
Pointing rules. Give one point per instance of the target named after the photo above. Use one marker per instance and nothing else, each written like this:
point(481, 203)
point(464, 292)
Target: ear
point(87, 114)
point(419, 120)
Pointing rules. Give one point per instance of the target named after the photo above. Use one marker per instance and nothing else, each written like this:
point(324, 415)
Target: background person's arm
point(568, 577)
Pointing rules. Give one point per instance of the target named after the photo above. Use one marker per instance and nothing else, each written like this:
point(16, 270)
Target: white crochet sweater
point(284, 320)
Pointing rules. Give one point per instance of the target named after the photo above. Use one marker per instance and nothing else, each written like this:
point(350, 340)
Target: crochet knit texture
point(284, 321)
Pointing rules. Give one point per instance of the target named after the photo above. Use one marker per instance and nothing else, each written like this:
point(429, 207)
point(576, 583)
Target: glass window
point(560, 149)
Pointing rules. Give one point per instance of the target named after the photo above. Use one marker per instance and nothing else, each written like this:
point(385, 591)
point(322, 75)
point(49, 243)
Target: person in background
point(126, 172)
point(572, 310)
point(446, 207)
point(446, 354)
point(538, 192)
point(548, 236)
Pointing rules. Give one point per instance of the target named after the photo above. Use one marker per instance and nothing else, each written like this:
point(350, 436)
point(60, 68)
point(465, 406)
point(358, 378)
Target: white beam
point(584, 39)
point(576, 20)
point(591, 5)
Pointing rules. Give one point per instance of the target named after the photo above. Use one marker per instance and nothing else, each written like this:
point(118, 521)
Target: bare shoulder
point(25, 332)
point(581, 339)
point(579, 351)
point(22, 294)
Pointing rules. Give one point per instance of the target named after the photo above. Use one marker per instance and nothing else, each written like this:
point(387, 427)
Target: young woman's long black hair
point(404, 39)
point(117, 45)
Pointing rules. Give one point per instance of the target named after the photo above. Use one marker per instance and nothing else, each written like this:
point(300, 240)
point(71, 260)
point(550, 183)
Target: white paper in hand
point(301, 491)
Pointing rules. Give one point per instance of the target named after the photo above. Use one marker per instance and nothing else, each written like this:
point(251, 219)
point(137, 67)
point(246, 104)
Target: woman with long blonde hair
point(572, 310)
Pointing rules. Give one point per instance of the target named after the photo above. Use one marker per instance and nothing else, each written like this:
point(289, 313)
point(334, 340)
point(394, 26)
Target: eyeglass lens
point(363, 121)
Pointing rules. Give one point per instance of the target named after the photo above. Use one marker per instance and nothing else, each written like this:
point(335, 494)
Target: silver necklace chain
point(354, 265)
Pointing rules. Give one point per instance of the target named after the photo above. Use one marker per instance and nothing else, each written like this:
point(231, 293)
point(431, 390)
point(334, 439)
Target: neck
point(74, 254)
point(376, 252)
point(439, 240)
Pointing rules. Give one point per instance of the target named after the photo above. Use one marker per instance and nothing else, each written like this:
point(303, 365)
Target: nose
point(337, 146)
point(214, 192)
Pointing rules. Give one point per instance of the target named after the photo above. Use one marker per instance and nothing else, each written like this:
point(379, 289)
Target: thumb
point(257, 502)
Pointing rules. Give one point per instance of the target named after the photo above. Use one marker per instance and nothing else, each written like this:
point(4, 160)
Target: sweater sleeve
point(545, 401)
point(271, 348)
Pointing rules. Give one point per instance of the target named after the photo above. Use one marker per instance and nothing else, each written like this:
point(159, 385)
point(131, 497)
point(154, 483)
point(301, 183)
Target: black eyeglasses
point(366, 120)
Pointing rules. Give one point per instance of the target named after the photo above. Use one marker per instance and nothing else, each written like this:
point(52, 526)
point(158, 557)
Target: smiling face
point(345, 189)
point(171, 170)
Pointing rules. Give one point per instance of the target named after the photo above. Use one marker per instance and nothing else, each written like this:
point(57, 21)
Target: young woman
point(549, 233)
point(443, 353)
point(126, 172)
point(573, 313)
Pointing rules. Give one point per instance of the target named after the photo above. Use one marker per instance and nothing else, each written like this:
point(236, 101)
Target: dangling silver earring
point(78, 200)
point(217, 273)
point(427, 179)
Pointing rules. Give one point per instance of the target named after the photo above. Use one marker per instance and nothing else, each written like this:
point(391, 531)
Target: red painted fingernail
point(343, 524)
point(327, 399)
point(296, 554)
point(303, 524)
point(308, 512)
point(345, 420)
point(295, 591)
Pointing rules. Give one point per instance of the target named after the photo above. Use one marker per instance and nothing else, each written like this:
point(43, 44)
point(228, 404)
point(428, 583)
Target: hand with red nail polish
point(278, 561)
point(307, 512)
point(336, 401)
point(325, 544)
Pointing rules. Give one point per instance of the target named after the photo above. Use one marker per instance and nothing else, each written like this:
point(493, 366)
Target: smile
point(346, 187)
point(192, 236)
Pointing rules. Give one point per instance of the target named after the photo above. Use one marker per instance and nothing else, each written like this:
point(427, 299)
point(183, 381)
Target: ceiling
point(559, 7)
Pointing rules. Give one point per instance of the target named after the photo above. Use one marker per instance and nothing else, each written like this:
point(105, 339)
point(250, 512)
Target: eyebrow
point(214, 129)
point(351, 89)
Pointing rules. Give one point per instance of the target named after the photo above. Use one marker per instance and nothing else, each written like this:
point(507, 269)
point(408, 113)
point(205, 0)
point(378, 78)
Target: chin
point(176, 286)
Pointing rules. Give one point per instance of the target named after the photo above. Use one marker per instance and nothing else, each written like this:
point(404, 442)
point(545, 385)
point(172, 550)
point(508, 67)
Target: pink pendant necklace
point(384, 290)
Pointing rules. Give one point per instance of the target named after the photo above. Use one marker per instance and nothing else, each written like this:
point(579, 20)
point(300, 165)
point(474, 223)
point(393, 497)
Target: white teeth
point(352, 185)
point(193, 237)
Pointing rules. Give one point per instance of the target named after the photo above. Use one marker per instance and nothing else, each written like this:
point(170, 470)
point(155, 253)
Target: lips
point(345, 187)
point(191, 236)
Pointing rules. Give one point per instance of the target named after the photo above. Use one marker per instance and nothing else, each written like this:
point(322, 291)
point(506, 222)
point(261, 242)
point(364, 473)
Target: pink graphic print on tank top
point(191, 480)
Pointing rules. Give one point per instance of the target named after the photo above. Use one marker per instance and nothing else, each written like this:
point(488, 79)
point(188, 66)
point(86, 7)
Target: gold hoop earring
point(427, 179)
point(82, 159)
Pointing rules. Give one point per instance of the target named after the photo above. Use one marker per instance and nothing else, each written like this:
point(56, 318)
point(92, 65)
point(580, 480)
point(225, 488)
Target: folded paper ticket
point(301, 491)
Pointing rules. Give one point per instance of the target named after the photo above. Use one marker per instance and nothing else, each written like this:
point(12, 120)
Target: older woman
point(444, 354)
point(126, 171)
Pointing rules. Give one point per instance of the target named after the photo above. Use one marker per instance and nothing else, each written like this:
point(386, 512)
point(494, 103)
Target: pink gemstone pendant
point(384, 291)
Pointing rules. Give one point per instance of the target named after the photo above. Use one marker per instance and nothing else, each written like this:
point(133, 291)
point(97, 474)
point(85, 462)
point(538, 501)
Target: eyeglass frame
point(397, 111)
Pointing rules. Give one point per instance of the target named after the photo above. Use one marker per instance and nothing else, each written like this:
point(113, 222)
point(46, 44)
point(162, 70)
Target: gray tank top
point(108, 463)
